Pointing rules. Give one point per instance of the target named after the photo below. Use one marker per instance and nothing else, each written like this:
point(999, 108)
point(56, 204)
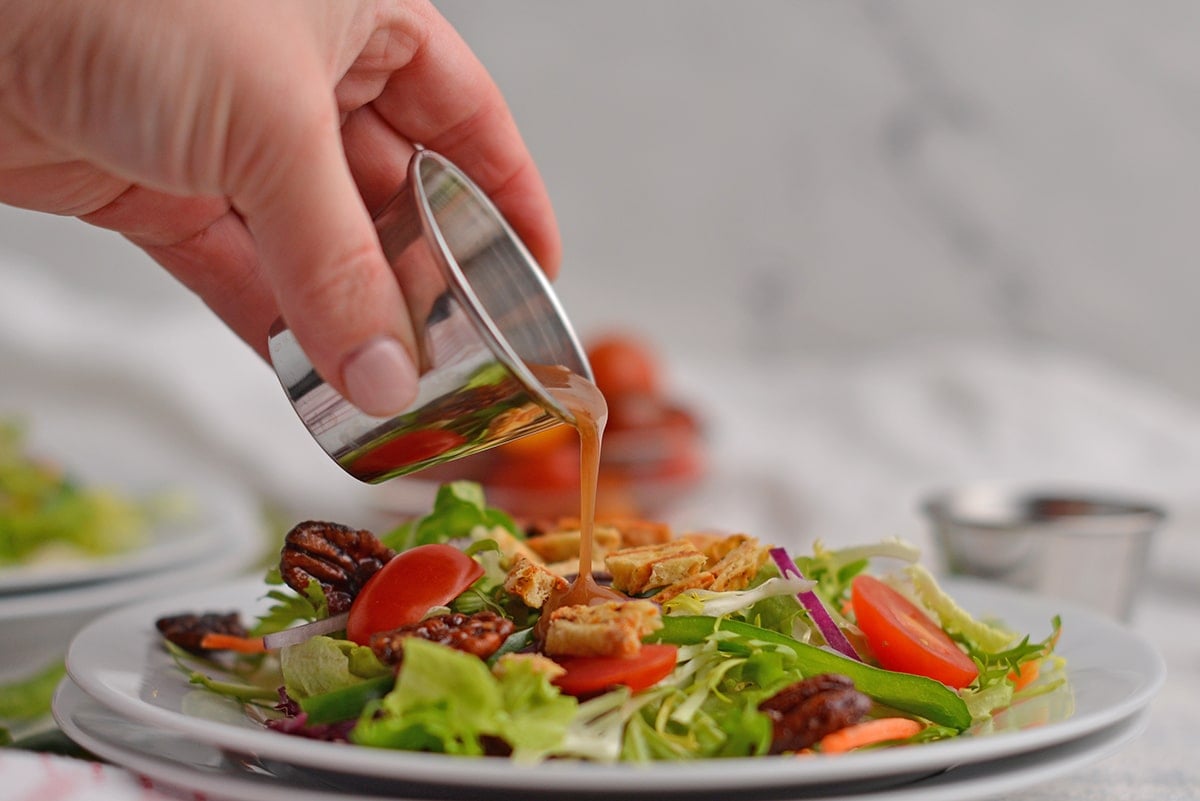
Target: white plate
point(1113, 673)
point(190, 768)
point(37, 627)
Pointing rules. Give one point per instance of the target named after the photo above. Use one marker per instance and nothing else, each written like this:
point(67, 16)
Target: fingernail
point(380, 377)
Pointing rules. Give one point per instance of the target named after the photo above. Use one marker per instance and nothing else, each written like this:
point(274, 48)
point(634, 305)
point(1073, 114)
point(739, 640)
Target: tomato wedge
point(904, 639)
point(406, 449)
point(591, 675)
point(408, 586)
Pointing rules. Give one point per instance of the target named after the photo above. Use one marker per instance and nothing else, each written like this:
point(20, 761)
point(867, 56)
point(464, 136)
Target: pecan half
point(479, 634)
point(188, 630)
point(337, 557)
point(804, 712)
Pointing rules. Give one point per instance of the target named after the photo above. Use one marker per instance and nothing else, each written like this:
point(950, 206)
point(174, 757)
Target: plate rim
point(980, 780)
point(100, 680)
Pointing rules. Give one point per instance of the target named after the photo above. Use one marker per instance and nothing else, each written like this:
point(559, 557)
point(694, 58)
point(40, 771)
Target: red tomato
point(589, 675)
point(408, 586)
point(554, 470)
point(623, 364)
point(407, 449)
point(904, 639)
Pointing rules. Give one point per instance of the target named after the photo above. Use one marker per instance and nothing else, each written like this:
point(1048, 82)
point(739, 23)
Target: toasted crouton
point(699, 581)
point(512, 548)
point(634, 531)
point(636, 570)
point(559, 546)
point(723, 546)
point(737, 568)
point(532, 583)
point(613, 628)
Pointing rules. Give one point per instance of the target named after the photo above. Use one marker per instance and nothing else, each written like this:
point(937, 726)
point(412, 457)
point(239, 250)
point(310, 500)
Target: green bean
point(916, 695)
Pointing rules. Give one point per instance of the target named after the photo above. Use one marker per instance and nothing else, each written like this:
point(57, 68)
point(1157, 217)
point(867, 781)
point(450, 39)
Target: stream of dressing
point(587, 406)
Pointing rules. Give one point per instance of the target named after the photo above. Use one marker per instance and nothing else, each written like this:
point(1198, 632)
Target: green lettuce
point(449, 701)
point(322, 664)
point(460, 508)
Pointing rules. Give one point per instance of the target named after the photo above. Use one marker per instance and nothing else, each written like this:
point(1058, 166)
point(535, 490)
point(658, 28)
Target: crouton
point(613, 628)
point(723, 546)
point(699, 581)
point(636, 570)
point(634, 531)
point(512, 548)
point(533, 583)
point(739, 566)
point(559, 546)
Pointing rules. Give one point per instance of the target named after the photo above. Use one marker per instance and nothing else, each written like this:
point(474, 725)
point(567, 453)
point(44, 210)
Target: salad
point(46, 514)
point(454, 633)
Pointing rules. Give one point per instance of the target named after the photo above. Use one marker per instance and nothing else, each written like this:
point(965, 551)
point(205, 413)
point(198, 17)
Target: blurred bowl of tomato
point(653, 453)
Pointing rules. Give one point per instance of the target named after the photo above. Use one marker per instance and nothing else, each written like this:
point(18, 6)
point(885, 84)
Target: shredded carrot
point(1025, 674)
point(868, 732)
point(231, 642)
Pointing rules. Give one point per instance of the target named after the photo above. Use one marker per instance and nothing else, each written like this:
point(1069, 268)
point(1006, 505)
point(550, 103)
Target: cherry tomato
point(622, 364)
point(590, 675)
point(904, 639)
point(408, 586)
point(556, 469)
point(542, 442)
point(407, 449)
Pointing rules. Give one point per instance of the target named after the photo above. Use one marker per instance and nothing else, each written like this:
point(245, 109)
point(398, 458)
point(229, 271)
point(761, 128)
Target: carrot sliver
point(231, 642)
point(1025, 675)
point(868, 732)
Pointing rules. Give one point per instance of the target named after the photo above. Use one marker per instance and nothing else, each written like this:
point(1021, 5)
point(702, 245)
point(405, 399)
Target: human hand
point(242, 146)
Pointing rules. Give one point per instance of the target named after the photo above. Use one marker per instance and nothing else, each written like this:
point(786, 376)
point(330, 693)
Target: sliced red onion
point(815, 607)
point(299, 634)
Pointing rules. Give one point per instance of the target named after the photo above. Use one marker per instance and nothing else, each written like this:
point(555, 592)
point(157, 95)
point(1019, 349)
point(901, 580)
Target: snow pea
point(915, 695)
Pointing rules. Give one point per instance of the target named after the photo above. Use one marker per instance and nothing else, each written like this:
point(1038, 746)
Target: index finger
point(444, 99)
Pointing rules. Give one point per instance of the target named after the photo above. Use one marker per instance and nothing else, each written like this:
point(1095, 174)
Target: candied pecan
point(479, 634)
point(337, 557)
point(188, 630)
point(804, 712)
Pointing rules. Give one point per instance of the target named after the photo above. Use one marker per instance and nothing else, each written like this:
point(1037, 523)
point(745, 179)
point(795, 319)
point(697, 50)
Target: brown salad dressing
point(587, 406)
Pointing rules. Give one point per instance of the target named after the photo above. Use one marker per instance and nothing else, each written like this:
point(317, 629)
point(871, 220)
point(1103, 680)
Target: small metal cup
point(483, 312)
point(1081, 546)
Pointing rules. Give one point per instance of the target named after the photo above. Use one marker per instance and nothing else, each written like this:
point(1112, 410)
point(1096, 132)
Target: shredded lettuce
point(719, 604)
point(953, 618)
point(833, 570)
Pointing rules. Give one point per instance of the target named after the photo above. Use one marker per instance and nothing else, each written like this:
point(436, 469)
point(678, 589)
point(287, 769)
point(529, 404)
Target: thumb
point(321, 255)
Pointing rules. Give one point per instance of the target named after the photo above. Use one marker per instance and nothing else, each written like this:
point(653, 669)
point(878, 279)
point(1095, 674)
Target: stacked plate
point(216, 532)
point(129, 702)
point(42, 606)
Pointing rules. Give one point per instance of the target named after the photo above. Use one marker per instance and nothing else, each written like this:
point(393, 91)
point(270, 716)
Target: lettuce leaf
point(322, 664)
point(460, 507)
point(448, 701)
